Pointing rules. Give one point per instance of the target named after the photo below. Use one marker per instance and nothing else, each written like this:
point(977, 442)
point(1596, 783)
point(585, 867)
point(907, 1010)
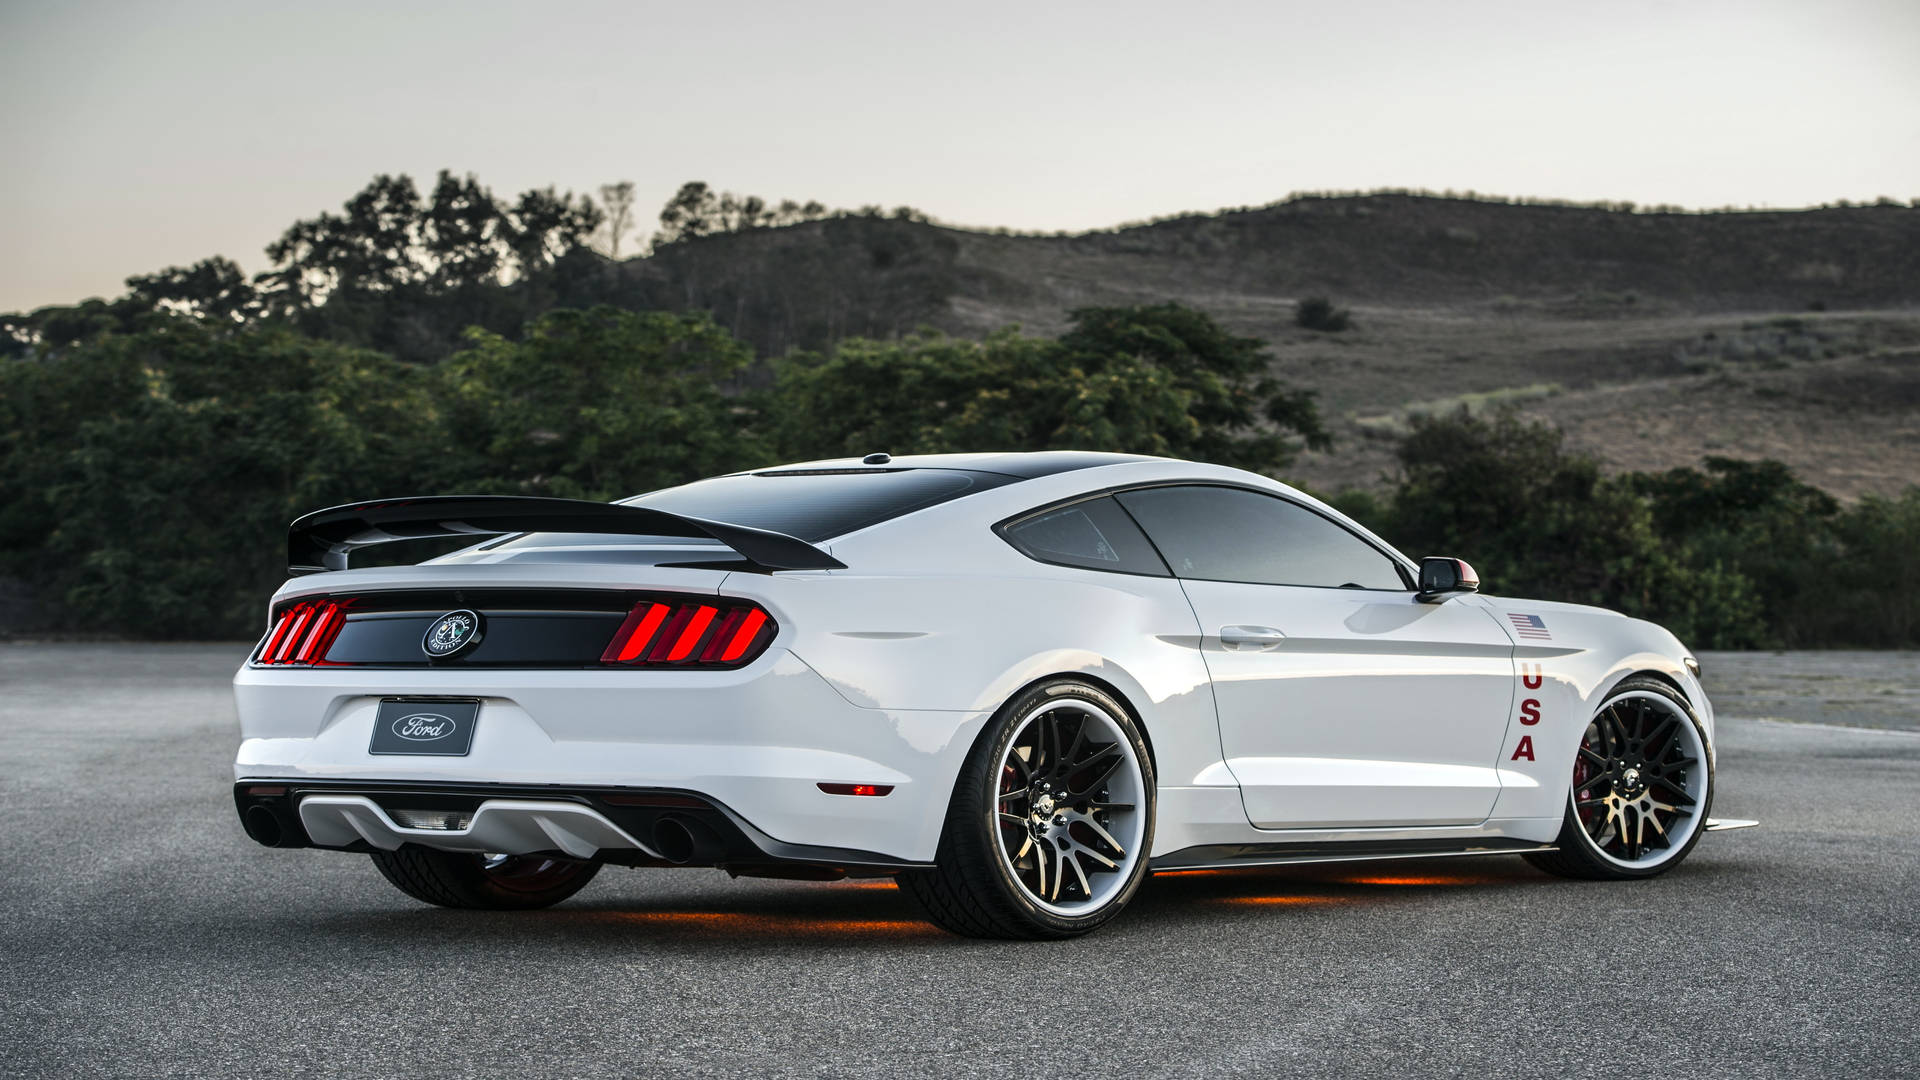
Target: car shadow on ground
point(874, 910)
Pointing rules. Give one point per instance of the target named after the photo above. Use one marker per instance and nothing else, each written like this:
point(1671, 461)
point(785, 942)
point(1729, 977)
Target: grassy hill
point(1653, 338)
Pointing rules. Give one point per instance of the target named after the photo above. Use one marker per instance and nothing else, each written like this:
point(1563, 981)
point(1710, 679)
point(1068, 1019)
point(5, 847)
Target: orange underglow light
point(741, 923)
point(1411, 881)
point(1264, 900)
point(1191, 873)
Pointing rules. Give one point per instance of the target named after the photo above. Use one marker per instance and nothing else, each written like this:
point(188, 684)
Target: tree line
point(1728, 555)
point(407, 270)
point(154, 446)
point(147, 475)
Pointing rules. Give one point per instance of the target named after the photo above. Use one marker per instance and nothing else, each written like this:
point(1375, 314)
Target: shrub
point(1318, 313)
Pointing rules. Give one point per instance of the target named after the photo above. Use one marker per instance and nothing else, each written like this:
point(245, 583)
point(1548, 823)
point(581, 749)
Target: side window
point(1095, 534)
point(1230, 534)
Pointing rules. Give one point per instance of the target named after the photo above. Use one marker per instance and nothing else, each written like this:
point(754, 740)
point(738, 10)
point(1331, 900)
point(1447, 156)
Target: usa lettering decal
point(1531, 626)
point(1531, 678)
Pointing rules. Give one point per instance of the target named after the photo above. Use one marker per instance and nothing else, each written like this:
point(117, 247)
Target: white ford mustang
point(1016, 683)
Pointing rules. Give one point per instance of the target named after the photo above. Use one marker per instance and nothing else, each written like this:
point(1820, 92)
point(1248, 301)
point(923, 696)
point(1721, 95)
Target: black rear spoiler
point(323, 539)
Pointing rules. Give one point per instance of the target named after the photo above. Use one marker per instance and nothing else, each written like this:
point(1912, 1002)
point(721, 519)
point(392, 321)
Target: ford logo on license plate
point(424, 726)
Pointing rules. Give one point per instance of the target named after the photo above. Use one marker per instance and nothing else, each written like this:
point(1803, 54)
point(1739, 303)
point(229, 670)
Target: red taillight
point(690, 633)
point(742, 636)
point(633, 635)
point(304, 632)
point(727, 633)
point(280, 629)
point(325, 625)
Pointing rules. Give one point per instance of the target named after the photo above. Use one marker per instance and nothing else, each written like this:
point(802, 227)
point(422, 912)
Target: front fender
point(1562, 684)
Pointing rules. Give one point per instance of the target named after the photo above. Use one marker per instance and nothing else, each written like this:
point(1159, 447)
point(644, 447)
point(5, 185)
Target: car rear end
point(605, 705)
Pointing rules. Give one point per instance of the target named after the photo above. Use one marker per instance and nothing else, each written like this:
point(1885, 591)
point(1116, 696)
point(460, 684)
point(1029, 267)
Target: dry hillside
point(1652, 338)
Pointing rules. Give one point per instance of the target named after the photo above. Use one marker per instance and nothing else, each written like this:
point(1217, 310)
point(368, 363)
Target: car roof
point(1024, 465)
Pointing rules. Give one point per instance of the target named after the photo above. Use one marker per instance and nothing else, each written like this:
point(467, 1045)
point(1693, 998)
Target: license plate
point(437, 728)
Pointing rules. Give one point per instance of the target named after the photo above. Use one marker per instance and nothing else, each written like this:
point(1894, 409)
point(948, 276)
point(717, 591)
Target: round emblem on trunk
point(451, 634)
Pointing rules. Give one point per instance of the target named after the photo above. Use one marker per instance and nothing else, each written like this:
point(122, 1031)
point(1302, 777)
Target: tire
point(1058, 784)
point(1642, 788)
point(459, 879)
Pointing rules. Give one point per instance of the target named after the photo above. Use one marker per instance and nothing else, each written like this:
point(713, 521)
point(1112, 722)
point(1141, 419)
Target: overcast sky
point(148, 134)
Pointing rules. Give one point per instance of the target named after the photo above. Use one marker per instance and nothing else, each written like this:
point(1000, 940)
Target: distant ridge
point(808, 284)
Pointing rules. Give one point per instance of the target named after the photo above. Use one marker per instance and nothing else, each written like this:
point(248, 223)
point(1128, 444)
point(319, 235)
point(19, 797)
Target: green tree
point(1754, 518)
point(600, 404)
point(547, 226)
point(157, 471)
point(463, 235)
point(1864, 590)
point(1242, 415)
point(214, 289)
point(693, 212)
point(935, 394)
point(1539, 520)
point(1154, 380)
point(697, 210)
point(369, 248)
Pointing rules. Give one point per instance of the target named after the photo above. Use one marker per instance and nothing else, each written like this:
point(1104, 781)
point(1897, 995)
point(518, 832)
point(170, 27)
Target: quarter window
point(1095, 534)
point(1231, 534)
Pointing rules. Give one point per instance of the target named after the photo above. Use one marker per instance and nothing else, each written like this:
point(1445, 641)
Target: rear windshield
point(816, 506)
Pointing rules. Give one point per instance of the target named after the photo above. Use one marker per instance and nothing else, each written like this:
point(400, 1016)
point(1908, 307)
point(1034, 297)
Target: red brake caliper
point(1582, 772)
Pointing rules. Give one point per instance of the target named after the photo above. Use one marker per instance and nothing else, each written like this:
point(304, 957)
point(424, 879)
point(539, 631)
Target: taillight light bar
point(304, 633)
point(724, 633)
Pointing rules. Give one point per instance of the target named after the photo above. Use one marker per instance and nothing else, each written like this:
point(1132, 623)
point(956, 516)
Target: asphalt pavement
point(144, 935)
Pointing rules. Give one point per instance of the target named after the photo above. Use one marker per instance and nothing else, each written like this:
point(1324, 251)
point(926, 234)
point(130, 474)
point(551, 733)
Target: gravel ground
point(145, 936)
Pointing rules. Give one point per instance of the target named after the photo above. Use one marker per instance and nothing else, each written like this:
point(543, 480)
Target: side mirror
point(1441, 577)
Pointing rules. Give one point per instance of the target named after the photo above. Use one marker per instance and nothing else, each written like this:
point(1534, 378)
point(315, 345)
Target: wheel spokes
point(1635, 777)
point(1053, 793)
point(1087, 820)
point(1112, 758)
point(1099, 858)
point(1074, 861)
point(1664, 735)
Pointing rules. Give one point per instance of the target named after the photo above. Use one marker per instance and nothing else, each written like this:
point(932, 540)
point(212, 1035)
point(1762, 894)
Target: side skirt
point(1221, 856)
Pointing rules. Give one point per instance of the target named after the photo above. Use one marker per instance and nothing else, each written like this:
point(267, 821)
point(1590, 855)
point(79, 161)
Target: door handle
point(1250, 638)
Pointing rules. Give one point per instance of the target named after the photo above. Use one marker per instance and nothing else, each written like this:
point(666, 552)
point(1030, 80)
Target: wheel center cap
point(1631, 778)
point(1043, 806)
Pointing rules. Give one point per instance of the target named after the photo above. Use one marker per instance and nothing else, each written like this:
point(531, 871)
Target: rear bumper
point(634, 826)
point(755, 743)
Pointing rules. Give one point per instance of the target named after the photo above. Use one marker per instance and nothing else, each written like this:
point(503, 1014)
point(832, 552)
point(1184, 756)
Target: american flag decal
point(1530, 626)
